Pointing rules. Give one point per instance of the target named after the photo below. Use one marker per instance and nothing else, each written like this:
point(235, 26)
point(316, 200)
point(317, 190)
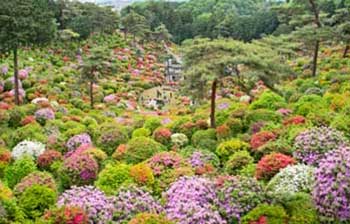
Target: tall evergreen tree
point(24, 23)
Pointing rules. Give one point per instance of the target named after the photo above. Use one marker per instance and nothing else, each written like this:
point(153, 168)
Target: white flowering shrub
point(179, 139)
point(292, 179)
point(29, 148)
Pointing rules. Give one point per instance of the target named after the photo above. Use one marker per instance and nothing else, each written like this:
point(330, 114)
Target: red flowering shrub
point(223, 132)
point(270, 165)
point(66, 215)
point(5, 156)
point(294, 120)
point(162, 135)
point(261, 138)
point(48, 157)
point(27, 120)
point(119, 152)
point(188, 128)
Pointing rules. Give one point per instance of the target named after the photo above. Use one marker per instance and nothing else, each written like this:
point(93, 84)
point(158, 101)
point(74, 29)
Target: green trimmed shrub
point(141, 132)
point(228, 148)
point(269, 100)
point(32, 131)
point(112, 177)
point(16, 116)
point(308, 104)
point(141, 148)
point(238, 161)
point(261, 115)
point(36, 199)
point(19, 169)
point(152, 123)
point(205, 139)
point(264, 213)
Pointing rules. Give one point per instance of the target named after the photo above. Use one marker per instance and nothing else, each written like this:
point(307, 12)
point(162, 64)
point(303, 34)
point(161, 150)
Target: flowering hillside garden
point(138, 117)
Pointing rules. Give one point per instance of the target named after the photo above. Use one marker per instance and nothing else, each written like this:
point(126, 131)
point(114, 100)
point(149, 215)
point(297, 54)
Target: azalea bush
point(331, 192)
point(271, 164)
point(264, 213)
point(310, 146)
point(98, 207)
point(261, 138)
point(238, 161)
point(43, 115)
point(46, 159)
point(29, 148)
point(292, 180)
point(111, 138)
point(149, 218)
point(66, 215)
point(35, 178)
point(77, 140)
point(179, 139)
point(203, 161)
point(192, 200)
point(131, 201)
point(237, 196)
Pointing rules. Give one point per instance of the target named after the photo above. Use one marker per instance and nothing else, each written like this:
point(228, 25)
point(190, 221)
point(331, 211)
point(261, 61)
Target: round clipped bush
point(36, 199)
point(5, 192)
point(179, 139)
point(112, 177)
point(149, 218)
point(46, 159)
point(140, 149)
point(44, 114)
point(269, 100)
point(142, 174)
point(271, 164)
point(78, 140)
point(66, 215)
point(261, 138)
point(192, 200)
point(238, 161)
point(203, 161)
point(152, 123)
point(78, 170)
point(132, 201)
point(301, 209)
point(205, 139)
point(309, 104)
point(331, 193)
point(237, 196)
point(35, 178)
point(28, 148)
point(311, 145)
point(111, 138)
point(97, 206)
point(19, 169)
point(227, 148)
point(264, 213)
point(141, 132)
point(167, 167)
point(292, 179)
point(162, 135)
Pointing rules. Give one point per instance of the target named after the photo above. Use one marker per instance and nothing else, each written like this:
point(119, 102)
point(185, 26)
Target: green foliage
point(228, 148)
point(152, 124)
point(262, 115)
point(205, 139)
point(141, 148)
point(308, 104)
point(16, 116)
point(269, 100)
point(274, 214)
point(19, 169)
point(141, 132)
point(301, 209)
point(36, 199)
point(112, 177)
point(238, 161)
point(31, 131)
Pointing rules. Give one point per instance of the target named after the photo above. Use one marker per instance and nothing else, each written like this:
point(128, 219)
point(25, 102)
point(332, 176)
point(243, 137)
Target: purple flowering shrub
point(98, 207)
point(310, 146)
point(78, 140)
point(331, 193)
point(44, 114)
point(131, 201)
point(192, 200)
point(239, 195)
point(78, 170)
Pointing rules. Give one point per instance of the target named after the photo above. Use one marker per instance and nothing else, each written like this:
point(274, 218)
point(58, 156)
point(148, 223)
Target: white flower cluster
point(292, 179)
point(179, 139)
point(29, 148)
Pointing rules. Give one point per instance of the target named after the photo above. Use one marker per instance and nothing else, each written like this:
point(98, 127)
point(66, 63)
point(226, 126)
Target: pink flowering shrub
point(97, 205)
point(46, 159)
point(77, 140)
point(271, 164)
point(78, 170)
point(162, 135)
point(35, 178)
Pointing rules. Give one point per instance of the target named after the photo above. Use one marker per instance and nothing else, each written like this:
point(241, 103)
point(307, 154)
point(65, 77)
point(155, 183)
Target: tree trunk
point(92, 94)
point(346, 50)
point(15, 66)
point(315, 59)
point(213, 103)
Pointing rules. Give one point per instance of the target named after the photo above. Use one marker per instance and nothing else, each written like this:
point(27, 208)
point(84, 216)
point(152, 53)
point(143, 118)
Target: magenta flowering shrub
point(331, 193)
point(44, 114)
point(237, 196)
point(310, 146)
point(77, 140)
point(131, 201)
point(78, 170)
point(95, 203)
point(192, 200)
